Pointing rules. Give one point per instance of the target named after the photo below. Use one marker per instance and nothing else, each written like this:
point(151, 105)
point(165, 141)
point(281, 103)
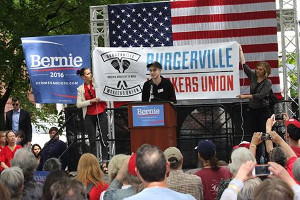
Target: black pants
point(257, 123)
point(91, 122)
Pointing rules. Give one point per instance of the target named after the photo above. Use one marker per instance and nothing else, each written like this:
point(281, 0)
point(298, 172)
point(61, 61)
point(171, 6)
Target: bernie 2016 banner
point(208, 71)
point(52, 62)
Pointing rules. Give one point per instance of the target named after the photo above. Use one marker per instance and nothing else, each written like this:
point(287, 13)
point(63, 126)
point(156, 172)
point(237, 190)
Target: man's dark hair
point(15, 99)
point(53, 129)
point(151, 163)
point(174, 163)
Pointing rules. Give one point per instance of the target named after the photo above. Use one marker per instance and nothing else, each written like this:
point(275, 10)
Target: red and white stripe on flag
point(252, 23)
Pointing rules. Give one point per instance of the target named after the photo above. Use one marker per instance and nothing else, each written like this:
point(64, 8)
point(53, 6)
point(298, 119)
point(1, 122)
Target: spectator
point(35, 149)
point(278, 189)
point(278, 155)
point(68, 189)
point(238, 157)
point(9, 150)
point(53, 149)
point(115, 164)
point(273, 188)
point(90, 174)
point(13, 179)
point(19, 119)
point(125, 183)
point(19, 137)
point(211, 174)
point(52, 178)
point(247, 192)
point(4, 193)
point(152, 169)
point(2, 144)
point(293, 135)
point(28, 163)
point(2, 139)
point(52, 164)
point(296, 170)
point(179, 181)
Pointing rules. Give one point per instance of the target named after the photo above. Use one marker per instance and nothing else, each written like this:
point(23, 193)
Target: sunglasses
point(15, 104)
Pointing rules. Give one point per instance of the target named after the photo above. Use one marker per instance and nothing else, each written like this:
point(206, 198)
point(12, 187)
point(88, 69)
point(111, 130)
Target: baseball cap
point(206, 148)
point(173, 154)
point(155, 64)
point(293, 129)
point(242, 144)
point(132, 164)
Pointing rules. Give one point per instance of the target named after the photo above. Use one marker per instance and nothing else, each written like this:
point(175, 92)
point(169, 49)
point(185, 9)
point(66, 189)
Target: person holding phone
point(94, 113)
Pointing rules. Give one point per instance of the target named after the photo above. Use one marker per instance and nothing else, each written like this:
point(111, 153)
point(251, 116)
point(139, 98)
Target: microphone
point(151, 96)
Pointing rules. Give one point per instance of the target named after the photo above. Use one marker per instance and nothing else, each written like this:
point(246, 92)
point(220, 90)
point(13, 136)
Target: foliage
point(292, 73)
point(29, 18)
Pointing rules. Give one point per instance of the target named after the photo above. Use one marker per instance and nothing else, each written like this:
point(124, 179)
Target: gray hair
point(68, 189)
point(238, 157)
point(25, 159)
point(13, 179)
point(247, 192)
point(296, 170)
point(52, 164)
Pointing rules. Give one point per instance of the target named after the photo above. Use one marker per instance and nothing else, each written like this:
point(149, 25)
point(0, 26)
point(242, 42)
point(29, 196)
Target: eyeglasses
point(15, 104)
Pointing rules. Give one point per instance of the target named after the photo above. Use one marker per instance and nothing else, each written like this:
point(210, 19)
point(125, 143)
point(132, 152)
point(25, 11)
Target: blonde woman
point(259, 108)
point(90, 174)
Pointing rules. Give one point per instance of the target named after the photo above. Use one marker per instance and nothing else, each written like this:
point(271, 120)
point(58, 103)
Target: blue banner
point(148, 115)
point(40, 176)
point(52, 62)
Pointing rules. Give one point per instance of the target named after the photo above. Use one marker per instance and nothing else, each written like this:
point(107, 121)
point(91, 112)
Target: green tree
point(29, 18)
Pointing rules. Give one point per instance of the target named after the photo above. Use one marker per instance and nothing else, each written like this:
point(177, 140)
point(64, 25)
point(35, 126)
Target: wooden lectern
point(153, 123)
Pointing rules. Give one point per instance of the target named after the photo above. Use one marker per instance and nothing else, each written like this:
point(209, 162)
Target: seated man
point(151, 169)
point(178, 180)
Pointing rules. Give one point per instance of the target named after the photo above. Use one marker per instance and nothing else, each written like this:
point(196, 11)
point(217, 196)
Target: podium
point(153, 123)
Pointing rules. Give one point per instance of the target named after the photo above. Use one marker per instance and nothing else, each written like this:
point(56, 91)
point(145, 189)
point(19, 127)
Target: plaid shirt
point(185, 183)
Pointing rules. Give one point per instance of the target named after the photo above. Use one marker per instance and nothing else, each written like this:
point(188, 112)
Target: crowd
point(151, 173)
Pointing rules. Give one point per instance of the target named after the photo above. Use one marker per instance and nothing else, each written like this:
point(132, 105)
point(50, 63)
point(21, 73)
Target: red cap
point(242, 144)
point(293, 122)
point(132, 164)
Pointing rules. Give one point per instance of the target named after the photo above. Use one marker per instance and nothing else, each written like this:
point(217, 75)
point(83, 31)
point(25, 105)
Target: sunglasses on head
point(15, 104)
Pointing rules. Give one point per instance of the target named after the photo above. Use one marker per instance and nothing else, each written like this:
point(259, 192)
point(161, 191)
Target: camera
point(279, 117)
point(265, 136)
point(261, 170)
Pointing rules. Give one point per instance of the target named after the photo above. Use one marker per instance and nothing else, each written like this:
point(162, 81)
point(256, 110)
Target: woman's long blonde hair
point(89, 169)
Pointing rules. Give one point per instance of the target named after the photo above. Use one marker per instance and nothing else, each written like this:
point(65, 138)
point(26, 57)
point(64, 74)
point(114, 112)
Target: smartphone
point(261, 170)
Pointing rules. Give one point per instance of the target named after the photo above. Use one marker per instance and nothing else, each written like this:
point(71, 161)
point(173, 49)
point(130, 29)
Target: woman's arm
point(81, 102)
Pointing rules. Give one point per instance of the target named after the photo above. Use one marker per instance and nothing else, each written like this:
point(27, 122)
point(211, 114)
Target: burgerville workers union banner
point(209, 71)
point(52, 62)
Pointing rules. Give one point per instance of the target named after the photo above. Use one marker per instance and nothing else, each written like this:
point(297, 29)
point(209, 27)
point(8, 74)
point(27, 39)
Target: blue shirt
point(15, 121)
point(160, 193)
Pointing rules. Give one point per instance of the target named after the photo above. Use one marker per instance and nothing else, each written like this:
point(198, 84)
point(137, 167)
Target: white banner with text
point(209, 71)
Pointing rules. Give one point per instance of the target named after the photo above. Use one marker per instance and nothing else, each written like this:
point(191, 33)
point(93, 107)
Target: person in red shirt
point(2, 139)
point(94, 113)
point(293, 135)
point(90, 174)
point(8, 152)
point(211, 174)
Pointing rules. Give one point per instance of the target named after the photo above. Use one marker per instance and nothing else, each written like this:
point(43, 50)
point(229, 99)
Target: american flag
point(252, 23)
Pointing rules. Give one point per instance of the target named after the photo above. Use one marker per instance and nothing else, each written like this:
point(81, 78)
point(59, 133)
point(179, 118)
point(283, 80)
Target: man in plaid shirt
point(178, 180)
